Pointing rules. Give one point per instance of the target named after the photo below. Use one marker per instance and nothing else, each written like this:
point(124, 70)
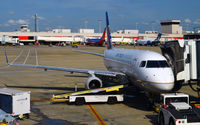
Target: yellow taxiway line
point(94, 112)
point(96, 115)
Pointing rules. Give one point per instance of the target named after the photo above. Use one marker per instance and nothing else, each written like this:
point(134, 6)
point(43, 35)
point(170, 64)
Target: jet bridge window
point(142, 64)
point(157, 64)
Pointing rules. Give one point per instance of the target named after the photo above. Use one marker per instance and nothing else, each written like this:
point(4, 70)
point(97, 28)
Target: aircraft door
point(135, 62)
point(135, 65)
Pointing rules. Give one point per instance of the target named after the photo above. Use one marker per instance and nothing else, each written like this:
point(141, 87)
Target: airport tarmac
point(43, 84)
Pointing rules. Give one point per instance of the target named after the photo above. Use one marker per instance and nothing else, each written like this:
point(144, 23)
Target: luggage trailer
point(110, 95)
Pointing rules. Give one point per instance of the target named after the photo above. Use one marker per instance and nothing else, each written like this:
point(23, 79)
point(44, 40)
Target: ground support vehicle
point(110, 95)
point(176, 110)
point(15, 102)
point(7, 119)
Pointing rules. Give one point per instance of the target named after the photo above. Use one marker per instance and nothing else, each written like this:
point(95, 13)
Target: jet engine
point(93, 82)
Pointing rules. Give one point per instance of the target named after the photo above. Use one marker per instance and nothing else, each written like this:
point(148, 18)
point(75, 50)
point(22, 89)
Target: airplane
point(97, 42)
point(145, 69)
point(154, 42)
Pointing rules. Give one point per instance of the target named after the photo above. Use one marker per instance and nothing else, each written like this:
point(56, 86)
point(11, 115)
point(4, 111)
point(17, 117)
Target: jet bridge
point(184, 58)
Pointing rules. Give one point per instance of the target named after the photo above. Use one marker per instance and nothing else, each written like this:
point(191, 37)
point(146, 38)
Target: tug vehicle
point(176, 110)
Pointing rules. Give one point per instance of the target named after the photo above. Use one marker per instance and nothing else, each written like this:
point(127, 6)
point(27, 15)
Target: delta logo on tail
point(97, 42)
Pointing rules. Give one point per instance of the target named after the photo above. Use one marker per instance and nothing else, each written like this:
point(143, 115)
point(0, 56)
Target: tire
point(80, 101)
point(112, 100)
point(26, 116)
point(171, 122)
point(161, 120)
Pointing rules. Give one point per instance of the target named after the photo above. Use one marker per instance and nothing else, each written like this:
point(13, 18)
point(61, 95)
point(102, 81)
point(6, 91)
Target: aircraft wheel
point(26, 116)
point(171, 122)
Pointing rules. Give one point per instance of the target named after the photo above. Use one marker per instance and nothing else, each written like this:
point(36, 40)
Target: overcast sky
point(75, 14)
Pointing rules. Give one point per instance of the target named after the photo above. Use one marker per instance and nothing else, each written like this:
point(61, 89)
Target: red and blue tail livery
point(97, 42)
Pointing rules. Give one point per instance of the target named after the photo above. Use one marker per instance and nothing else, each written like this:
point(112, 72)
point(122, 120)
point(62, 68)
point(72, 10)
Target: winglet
point(6, 57)
point(109, 42)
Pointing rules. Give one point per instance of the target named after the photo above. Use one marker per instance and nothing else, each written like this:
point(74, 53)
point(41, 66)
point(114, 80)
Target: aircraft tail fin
point(102, 40)
point(109, 42)
point(104, 34)
point(159, 36)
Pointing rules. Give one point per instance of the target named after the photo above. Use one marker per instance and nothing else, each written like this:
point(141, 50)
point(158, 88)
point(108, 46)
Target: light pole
point(136, 26)
point(86, 21)
point(35, 18)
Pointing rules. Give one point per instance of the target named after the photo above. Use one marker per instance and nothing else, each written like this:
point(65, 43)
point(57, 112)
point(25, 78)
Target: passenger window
point(142, 64)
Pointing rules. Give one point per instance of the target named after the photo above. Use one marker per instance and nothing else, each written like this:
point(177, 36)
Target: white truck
point(176, 110)
point(15, 102)
point(9, 40)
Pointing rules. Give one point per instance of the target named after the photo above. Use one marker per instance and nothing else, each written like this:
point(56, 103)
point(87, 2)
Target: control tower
point(171, 27)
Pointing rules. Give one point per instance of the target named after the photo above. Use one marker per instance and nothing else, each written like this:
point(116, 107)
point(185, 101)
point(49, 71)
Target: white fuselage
point(144, 42)
point(151, 75)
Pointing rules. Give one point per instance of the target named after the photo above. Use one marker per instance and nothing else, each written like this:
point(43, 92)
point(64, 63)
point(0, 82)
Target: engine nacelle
point(93, 82)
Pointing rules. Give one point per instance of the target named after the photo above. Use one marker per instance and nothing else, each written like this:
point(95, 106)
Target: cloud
point(59, 17)
point(20, 21)
point(38, 17)
point(121, 16)
point(12, 22)
point(6, 24)
point(11, 12)
point(41, 18)
point(187, 21)
point(197, 21)
point(145, 23)
point(155, 22)
point(16, 22)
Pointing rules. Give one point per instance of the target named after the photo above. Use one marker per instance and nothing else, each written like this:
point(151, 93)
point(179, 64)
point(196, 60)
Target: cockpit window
point(157, 64)
point(142, 64)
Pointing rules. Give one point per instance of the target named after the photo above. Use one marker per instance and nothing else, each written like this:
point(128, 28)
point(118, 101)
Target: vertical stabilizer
point(104, 35)
point(159, 36)
point(102, 40)
point(109, 42)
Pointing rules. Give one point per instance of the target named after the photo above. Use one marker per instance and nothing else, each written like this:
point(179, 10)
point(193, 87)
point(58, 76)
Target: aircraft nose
point(165, 86)
point(164, 80)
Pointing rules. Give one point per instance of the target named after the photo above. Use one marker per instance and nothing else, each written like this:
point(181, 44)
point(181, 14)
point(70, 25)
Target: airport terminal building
point(171, 30)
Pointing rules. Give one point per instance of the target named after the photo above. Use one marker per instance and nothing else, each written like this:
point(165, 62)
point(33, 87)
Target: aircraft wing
point(86, 71)
point(93, 53)
point(72, 70)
